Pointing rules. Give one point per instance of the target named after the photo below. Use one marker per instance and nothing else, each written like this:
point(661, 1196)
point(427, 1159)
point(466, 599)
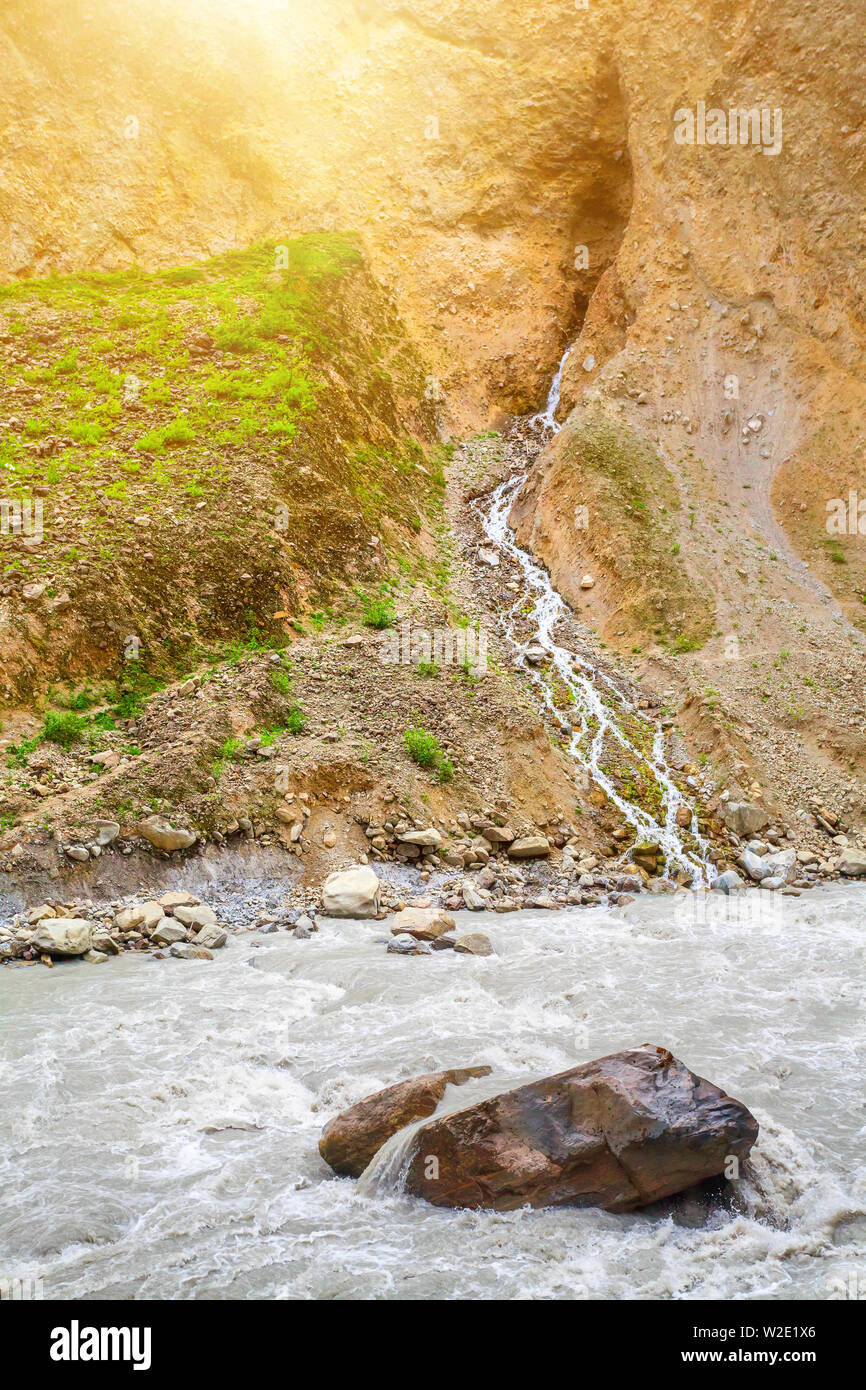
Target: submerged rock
point(475, 943)
point(187, 951)
point(408, 946)
point(356, 1135)
point(616, 1133)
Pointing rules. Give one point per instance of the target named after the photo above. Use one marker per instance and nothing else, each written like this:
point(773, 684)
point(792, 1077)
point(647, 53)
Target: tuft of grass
point(281, 682)
point(18, 753)
point(425, 750)
point(229, 750)
point(129, 696)
point(296, 720)
point(379, 613)
point(63, 728)
point(423, 747)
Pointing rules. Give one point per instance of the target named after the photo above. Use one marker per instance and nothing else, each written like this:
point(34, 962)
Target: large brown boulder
point(616, 1133)
point(354, 1136)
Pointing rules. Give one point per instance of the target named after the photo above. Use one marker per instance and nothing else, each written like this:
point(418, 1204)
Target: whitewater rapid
point(598, 706)
point(161, 1118)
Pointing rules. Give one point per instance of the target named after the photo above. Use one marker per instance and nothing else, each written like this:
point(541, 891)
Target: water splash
point(546, 418)
point(388, 1169)
point(600, 709)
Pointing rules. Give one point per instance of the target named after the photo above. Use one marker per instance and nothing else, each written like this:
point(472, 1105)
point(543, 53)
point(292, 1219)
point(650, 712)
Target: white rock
point(852, 863)
point(199, 915)
point(160, 833)
point(753, 865)
point(429, 839)
point(62, 936)
point(351, 893)
point(474, 898)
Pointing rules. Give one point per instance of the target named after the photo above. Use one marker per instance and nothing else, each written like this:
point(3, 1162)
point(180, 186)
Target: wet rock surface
point(354, 1137)
point(618, 1133)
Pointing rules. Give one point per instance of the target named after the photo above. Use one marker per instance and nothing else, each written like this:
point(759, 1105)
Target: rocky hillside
point(203, 457)
point(513, 188)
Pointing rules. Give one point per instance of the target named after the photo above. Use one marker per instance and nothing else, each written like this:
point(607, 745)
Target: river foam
point(162, 1117)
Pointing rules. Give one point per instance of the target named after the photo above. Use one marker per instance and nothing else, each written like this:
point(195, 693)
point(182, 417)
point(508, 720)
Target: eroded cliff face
point(474, 152)
point(516, 181)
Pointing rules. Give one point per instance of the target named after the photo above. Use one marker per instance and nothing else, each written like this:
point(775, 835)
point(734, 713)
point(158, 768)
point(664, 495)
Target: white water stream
point(161, 1118)
point(596, 714)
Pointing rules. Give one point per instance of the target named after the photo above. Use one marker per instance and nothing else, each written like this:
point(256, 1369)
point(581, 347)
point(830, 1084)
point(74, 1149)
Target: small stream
point(598, 708)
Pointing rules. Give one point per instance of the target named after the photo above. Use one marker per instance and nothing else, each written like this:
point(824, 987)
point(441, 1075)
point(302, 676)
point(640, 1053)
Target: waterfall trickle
point(599, 707)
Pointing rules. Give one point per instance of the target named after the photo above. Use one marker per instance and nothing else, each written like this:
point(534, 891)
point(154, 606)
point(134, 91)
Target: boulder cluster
point(177, 923)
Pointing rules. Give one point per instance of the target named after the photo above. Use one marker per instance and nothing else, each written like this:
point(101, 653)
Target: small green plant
point(130, 695)
point(423, 747)
point(379, 613)
point(682, 644)
point(82, 699)
point(296, 720)
point(425, 750)
point(282, 682)
point(64, 729)
point(18, 753)
point(229, 750)
point(445, 769)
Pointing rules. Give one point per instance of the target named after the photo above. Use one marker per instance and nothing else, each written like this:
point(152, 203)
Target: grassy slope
point(213, 445)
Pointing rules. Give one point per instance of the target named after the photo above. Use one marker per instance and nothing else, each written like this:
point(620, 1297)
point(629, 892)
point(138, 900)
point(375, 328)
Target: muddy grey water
point(161, 1117)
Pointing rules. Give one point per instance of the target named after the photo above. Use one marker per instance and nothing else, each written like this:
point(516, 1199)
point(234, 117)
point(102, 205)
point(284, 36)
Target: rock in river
point(354, 1136)
point(475, 943)
point(424, 923)
point(616, 1133)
